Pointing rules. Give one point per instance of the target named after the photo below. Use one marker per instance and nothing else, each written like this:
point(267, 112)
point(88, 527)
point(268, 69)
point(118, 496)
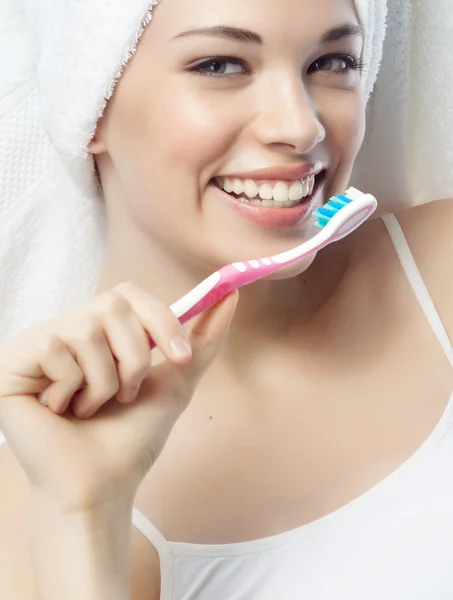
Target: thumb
point(208, 333)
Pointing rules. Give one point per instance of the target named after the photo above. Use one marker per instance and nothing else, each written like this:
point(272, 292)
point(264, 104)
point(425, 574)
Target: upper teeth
point(280, 191)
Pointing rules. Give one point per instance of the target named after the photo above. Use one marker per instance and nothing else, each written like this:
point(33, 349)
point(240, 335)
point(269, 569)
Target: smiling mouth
point(271, 193)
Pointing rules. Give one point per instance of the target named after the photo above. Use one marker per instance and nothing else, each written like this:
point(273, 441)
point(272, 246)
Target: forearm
point(81, 556)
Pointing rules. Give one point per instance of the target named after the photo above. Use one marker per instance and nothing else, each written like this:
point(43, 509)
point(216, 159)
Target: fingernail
point(84, 412)
point(42, 397)
point(130, 394)
point(180, 348)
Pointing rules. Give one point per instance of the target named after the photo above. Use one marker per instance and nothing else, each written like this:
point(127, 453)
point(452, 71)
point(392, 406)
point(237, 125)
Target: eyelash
point(354, 63)
point(199, 68)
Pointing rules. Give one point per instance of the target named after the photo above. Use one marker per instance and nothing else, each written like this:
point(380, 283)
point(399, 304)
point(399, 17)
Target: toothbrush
point(336, 219)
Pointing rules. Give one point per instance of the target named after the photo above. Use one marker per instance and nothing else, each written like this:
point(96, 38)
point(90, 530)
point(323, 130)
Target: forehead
point(267, 17)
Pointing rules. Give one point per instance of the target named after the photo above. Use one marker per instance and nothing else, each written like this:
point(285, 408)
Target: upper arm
point(429, 232)
point(16, 566)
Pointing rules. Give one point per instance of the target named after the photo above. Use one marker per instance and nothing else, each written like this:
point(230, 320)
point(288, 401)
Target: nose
point(288, 119)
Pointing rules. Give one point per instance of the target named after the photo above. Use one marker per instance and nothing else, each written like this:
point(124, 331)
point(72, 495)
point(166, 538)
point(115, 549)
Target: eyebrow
point(229, 33)
point(250, 37)
point(343, 31)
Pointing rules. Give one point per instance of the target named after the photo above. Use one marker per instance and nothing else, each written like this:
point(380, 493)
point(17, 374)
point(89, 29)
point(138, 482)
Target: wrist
point(96, 514)
point(81, 554)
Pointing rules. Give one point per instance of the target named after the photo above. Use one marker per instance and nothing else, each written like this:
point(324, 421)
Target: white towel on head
point(63, 58)
point(408, 152)
point(373, 15)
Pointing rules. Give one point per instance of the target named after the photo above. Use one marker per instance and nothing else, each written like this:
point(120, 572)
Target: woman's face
point(232, 123)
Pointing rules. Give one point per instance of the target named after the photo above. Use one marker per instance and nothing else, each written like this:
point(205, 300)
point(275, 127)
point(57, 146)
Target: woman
point(304, 454)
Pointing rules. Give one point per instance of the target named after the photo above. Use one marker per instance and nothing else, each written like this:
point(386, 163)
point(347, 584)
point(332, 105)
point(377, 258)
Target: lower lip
point(277, 218)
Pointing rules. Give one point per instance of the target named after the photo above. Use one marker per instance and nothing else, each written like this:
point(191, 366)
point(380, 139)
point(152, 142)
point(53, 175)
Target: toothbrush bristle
point(330, 209)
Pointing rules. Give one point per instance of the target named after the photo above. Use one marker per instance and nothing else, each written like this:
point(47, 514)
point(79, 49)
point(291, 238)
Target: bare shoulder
point(429, 232)
point(431, 220)
point(16, 568)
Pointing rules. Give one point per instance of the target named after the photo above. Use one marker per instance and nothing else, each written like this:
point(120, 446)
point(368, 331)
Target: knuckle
point(109, 387)
point(134, 373)
point(113, 303)
point(76, 378)
point(126, 288)
point(172, 325)
point(102, 393)
point(90, 330)
point(51, 343)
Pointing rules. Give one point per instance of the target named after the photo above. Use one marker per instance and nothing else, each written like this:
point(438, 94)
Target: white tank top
point(395, 542)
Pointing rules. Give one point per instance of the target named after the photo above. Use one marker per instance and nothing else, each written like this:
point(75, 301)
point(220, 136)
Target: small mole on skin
point(210, 418)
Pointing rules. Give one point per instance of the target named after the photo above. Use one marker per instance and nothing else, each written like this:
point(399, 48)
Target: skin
point(268, 443)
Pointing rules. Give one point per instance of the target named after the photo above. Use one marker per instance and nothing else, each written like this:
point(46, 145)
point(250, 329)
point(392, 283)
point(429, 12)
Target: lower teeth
point(266, 203)
point(269, 203)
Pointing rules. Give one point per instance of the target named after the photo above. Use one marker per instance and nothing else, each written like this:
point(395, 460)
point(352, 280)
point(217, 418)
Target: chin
point(293, 271)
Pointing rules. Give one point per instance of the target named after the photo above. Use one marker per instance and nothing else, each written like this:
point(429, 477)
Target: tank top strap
point(418, 285)
point(149, 531)
point(163, 548)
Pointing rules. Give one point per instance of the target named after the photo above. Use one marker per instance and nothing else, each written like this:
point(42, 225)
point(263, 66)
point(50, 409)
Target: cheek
point(169, 145)
point(179, 130)
point(345, 123)
point(194, 133)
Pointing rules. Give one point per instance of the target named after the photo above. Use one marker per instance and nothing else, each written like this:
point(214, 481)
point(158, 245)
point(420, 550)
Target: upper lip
point(282, 173)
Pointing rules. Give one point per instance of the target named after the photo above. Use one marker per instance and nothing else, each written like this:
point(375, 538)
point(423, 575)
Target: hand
point(106, 413)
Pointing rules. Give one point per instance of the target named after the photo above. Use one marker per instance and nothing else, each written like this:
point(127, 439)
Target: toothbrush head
point(325, 213)
point(345, 212)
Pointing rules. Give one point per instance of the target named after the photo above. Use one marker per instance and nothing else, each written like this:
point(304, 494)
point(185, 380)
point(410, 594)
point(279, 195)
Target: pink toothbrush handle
point(231, 278)
point(219, 285)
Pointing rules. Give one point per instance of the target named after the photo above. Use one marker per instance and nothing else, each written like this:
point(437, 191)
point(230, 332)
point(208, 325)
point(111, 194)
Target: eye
point(221, 66)
point(337, 63)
